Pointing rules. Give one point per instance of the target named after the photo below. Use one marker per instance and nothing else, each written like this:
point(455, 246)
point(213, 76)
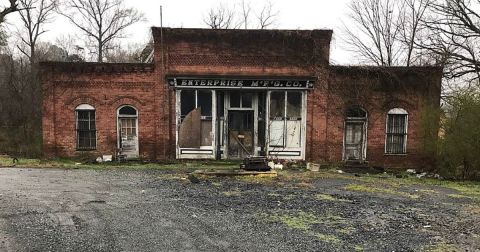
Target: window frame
point(88, 108)
point(396, 112)
point(285, 119)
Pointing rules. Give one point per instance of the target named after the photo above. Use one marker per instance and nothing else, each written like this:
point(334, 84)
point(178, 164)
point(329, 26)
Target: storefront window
point(285, 119)
point(196, 119)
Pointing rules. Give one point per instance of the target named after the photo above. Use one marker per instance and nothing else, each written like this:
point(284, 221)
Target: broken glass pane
point(205, 102)
point(187, 100)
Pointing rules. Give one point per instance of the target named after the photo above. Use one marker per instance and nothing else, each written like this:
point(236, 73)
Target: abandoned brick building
point(228, 94)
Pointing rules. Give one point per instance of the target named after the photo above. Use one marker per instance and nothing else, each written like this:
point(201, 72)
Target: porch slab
point(235, 173)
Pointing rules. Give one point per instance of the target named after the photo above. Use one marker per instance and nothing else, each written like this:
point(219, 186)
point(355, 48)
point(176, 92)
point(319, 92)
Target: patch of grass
point(327, 238)
point(470, 189)
point(375, 189)
point(358, 248)
point(441, 247)
point(306, 221)
point(302, 221)
point(427, 191)
point(327, 197)
point(458, 196)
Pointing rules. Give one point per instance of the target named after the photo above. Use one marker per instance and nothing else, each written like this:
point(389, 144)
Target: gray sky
point(293, 14)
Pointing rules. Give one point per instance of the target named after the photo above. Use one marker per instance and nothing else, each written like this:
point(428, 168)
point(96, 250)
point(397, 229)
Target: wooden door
point(354, 141)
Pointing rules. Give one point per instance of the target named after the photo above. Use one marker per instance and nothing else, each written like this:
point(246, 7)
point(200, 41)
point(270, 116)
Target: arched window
point(396, 131)
point(86, 127)
point(127, 111)
point(356, 112)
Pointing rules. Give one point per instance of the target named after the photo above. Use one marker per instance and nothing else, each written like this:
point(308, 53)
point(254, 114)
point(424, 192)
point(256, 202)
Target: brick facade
point(244, 53)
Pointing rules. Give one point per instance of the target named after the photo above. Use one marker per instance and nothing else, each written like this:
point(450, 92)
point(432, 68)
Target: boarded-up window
point(86, 129)
point(196, 119)
point(396, 142)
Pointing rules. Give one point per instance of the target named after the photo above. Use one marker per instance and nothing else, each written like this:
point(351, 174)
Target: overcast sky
point(292, 14)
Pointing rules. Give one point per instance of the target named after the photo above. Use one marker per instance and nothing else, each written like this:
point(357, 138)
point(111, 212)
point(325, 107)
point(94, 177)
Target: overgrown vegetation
point(458, 146)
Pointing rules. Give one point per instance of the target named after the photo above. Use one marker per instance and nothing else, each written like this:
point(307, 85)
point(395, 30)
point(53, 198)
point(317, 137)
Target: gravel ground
point(151, 210)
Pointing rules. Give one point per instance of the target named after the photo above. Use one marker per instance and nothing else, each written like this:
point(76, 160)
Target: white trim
point(397, 111)
point(85, 107)
point(137, 151)
point(211, 150)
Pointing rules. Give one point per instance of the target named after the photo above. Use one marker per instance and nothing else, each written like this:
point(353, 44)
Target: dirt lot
point(154, 210)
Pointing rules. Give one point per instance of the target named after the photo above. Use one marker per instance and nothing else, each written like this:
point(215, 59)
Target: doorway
point(354, 141)
point(355, 136)
point(241, 134)
point(128, 132)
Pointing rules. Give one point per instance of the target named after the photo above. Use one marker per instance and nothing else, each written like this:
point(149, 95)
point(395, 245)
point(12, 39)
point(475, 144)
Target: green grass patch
point(6, 161)
point(302, 220)
point(369, 188)
point(306, 221)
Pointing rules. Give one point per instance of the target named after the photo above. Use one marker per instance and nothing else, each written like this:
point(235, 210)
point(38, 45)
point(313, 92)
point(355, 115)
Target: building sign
point(181, 82)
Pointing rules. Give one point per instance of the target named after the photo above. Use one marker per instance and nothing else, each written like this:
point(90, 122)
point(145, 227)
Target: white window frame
point(120, 116)
point(204, 152)
point(284, 152)
point(85, 107)
point(397, 111)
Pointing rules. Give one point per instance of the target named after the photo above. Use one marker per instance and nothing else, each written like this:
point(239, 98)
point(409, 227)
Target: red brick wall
point(236, 53)
point(378, 90)
point(64, 90)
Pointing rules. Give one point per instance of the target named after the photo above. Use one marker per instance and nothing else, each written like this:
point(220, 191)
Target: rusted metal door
point(240, 134)
point(354, 141)
point(128, 137)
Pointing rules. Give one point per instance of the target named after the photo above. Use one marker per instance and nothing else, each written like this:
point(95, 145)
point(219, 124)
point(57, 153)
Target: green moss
point(375, 189)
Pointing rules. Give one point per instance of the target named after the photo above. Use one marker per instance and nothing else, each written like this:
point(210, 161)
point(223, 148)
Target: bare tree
point(374, 34)
point(454, 35)
point(228, 17)
point(102, 21)
point(220, 17)
point(12, 7)
point(34, 16)
point(412, 28)
point(267, 16)
point(246, 10)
